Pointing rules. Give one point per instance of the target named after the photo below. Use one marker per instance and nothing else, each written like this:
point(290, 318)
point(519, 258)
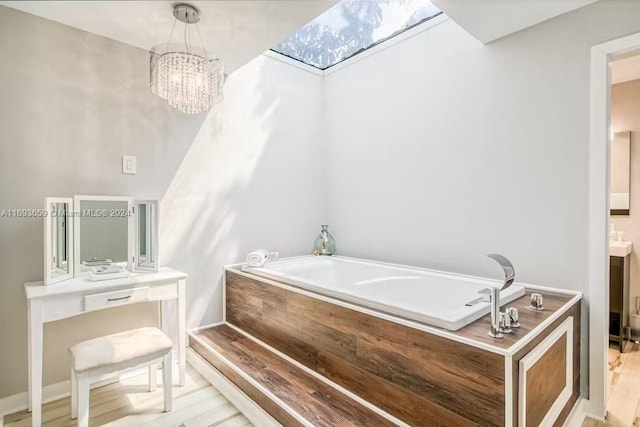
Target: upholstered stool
point(102, 358)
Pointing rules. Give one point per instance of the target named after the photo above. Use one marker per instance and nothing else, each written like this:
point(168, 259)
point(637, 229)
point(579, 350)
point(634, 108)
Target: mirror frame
point(48, 240)
point(77, 267)
point(154, 235)
point(627, 211)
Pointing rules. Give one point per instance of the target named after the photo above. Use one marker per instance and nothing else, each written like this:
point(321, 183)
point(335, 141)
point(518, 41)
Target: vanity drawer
point(112, 298)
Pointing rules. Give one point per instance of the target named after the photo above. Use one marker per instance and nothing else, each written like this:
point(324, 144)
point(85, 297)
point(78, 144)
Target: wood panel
point(254, 394)
point(433, 379)
point(574, 311)
point(312, 399)
point(545, 381)
point(386, 394)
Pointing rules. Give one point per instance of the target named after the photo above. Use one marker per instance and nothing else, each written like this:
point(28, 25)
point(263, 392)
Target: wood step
point(309, 400)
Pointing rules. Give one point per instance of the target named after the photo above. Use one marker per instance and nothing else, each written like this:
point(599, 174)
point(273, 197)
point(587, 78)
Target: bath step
point(286, 392)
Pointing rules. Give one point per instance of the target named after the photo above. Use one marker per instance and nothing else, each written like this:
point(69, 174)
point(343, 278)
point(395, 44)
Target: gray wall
point(442, 149)
point(72, 104)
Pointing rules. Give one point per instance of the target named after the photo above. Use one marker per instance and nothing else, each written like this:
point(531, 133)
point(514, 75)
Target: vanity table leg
point(35, 361)
point(182, 330)
point(29, 373)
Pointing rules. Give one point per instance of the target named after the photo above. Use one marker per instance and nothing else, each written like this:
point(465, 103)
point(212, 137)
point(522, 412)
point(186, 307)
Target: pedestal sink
point(620, 248)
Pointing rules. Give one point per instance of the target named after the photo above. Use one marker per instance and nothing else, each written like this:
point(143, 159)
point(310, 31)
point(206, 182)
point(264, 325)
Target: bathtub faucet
point(494, 292)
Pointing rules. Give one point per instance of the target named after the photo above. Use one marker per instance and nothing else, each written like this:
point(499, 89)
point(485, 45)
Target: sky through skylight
point(352, 26)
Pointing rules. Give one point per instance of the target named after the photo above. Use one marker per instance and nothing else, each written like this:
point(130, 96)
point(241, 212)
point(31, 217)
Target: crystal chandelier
point(187, 77)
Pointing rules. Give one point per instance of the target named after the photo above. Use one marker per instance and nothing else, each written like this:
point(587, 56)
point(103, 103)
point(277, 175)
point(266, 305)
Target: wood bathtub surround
point(418, 377)
point(430, 377)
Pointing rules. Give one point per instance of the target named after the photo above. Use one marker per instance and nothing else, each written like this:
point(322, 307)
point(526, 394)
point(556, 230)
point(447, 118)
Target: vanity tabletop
point(82, 284)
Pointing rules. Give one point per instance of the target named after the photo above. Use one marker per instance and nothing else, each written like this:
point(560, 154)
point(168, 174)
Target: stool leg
point(167, 381)
point(83, 400)
point(74, 395)
point(153, 375)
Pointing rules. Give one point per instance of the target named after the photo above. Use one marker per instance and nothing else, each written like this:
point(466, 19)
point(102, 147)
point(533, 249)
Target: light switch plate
point(129, 165)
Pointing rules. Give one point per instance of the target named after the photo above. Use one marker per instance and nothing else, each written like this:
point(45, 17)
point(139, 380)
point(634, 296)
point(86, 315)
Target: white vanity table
point(77, 296)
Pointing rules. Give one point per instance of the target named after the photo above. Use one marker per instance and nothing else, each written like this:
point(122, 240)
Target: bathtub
point(441, 299)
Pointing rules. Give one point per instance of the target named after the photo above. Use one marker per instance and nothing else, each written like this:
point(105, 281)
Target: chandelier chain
point(171, 34)
point(186, 46)
point(206, 55)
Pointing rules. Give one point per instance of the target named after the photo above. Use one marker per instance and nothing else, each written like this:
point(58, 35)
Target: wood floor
point(624, 390)
point(128, 403)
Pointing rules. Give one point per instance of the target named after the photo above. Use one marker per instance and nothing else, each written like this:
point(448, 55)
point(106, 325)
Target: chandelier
point(186, 76)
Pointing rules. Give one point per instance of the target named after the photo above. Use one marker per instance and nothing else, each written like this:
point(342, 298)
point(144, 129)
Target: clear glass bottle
point(324, 244)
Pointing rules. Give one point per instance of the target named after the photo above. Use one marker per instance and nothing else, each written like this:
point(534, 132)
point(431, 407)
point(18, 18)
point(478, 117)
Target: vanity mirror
point(58, 237)
point(104, 228)
point(88, 232)
point(620, 173)
point(146, 241)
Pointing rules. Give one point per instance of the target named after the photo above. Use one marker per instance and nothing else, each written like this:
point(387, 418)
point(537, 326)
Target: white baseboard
point(207, 326)
point(578, 414)
point(248, 407)
point(595, 417)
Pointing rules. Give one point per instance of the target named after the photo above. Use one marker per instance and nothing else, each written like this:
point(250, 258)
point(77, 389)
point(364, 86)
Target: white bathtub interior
point(435, 298)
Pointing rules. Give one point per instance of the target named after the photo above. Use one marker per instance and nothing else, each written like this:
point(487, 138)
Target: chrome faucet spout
point(507, 267)
point(495, 332)
point(509, 276)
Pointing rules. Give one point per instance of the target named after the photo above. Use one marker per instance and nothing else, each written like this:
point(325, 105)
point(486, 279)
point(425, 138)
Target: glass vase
point(324, 244)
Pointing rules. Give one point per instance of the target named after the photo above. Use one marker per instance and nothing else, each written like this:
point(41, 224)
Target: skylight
point(351, 27)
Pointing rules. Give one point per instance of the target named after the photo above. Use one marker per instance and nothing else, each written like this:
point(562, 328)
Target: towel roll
point(257, 258)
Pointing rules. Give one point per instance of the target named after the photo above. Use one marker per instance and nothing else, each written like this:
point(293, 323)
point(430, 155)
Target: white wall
point(73, 103)
point(441, 148)
point(252, 179)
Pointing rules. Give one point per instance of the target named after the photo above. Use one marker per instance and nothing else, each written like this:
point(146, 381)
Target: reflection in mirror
point(58, 239)
point(104, 227)
point(147, 235)
point(620, 173)
point(59, 262)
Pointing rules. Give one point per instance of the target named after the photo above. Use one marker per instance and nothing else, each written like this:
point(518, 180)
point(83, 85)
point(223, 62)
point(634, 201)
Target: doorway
point(603, 57)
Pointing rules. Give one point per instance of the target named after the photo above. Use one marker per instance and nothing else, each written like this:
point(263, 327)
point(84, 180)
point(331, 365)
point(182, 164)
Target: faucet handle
point(515, 317)
point(536, 302)
point(505, 323)
point(486, 294)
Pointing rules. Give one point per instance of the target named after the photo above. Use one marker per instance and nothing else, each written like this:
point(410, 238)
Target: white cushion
point(121, 350)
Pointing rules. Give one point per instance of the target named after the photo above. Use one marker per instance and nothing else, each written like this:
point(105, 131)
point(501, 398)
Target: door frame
point(598, 266)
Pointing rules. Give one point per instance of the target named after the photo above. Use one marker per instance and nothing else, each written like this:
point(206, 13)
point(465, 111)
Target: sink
point(620, 249)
